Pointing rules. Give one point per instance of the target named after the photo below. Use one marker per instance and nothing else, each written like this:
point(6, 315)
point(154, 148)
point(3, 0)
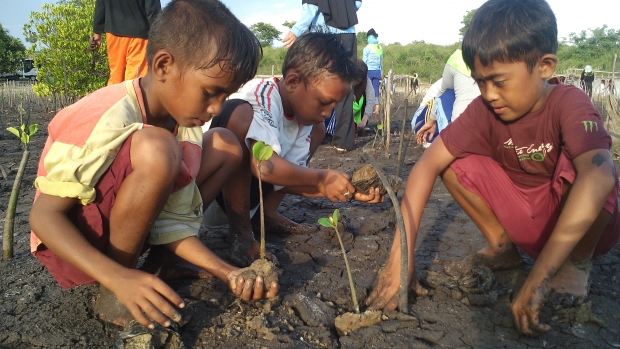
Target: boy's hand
point(426, 133)
point(336, 186)
point(146, 297)
point(526, 307)
point(385, 294)
point(372, 197)
point(250, 289)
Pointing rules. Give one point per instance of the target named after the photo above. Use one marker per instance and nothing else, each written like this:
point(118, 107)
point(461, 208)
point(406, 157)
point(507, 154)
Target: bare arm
point(417, 191)
point(194, 251)
point(310, 182)
point(596, 178)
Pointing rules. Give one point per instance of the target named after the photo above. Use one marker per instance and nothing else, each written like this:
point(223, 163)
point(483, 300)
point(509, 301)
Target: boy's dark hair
point(511, 31)
point(315, 53)
point(202, 33)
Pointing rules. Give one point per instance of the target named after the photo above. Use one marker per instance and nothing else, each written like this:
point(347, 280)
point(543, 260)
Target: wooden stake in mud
point(387, 128)
point(401, 153)
point(404, 257)
point(613, 84)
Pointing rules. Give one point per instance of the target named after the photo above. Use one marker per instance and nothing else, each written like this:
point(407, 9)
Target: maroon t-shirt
point(528, 148)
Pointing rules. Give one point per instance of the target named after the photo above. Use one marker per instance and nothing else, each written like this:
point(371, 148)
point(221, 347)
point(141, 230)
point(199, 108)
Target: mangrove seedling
point(332, 222)
point(261, 152)
point(23, 133)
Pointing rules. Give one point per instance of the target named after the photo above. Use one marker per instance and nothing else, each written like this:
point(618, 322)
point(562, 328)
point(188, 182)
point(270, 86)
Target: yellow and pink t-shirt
point(83, 142)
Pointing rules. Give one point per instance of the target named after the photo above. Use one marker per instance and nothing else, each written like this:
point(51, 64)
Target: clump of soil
point(478, 279)
point(136, 336)
point(350, 322)
point(264, 268)
point(578, 315)
point(366, 177)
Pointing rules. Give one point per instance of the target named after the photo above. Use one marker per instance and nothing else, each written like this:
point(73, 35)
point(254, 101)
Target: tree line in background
point(59, 34)
point(595, 47)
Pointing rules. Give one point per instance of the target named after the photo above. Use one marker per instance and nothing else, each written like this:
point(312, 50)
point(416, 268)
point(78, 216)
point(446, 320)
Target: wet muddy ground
point(461, 311)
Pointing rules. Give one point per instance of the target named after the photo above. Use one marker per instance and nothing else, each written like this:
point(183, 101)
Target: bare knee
point(156, 151)
point(222, 145)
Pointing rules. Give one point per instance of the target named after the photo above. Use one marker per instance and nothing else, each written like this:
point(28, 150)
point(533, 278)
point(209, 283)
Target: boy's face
point(510, 89)
point(313, 102)
point(192, 97)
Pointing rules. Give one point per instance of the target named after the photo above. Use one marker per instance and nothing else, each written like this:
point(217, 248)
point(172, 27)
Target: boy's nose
point(489, 93)
point(215, 107)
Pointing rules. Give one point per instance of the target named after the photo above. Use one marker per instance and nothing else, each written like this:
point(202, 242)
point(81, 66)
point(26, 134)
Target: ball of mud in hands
point(264, 268)
point(366, 177)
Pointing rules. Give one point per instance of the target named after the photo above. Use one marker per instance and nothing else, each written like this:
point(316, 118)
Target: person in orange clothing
point(126, 24)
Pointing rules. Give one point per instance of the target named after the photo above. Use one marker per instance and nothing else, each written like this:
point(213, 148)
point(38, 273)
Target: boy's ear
point(163, 64)
point(548, 63)
point(292, 79)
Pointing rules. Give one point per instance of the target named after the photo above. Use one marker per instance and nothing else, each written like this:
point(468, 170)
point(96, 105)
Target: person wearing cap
point(587, 77)
point(373, 57)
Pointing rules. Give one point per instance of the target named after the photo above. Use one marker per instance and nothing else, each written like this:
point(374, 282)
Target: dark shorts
point(529, 215)
point(221, 120)
point(92, 220)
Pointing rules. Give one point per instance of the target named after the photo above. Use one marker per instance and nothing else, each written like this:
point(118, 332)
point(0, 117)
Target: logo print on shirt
point(532, 152)
point(266, 115)
point(590, 125)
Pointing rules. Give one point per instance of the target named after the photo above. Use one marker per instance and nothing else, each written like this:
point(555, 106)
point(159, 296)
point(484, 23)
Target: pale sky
point(404, 21)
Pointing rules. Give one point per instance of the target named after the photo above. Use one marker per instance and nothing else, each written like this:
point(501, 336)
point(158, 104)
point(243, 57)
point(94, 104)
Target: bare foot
point(280, 225)
point(110, 309)
point(245, 250)
point(572, 278)
point(494, 259)
point(504, 258)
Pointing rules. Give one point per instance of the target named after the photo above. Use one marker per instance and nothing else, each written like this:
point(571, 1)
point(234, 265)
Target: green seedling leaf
point(265, 153)
point(325, 222)
point(262, 151)
point(24, 134)
point(256, 149)
point(380, 127)
point(32, 129)
point(336, 217)
point(14, 131)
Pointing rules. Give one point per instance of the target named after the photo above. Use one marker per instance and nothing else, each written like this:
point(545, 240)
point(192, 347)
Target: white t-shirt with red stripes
point(288, 138)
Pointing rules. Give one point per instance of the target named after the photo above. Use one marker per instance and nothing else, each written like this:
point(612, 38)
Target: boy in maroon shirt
point(528, 161)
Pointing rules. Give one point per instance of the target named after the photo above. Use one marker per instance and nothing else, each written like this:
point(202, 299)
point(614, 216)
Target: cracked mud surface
point(36, 313)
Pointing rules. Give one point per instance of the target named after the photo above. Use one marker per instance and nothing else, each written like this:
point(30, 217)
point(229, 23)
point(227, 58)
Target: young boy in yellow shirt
point(128, 166)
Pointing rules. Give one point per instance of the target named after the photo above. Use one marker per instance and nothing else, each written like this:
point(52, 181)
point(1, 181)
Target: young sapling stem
point(24, 134)
point(261, 152)
point(332, 222)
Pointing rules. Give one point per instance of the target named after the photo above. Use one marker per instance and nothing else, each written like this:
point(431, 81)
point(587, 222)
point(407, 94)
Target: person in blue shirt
point(337, 17)
point(373, 57)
